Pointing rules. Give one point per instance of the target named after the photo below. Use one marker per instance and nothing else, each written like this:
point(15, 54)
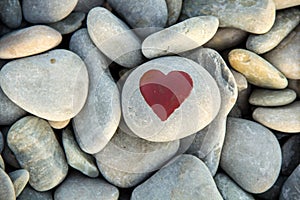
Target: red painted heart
point(165, 93)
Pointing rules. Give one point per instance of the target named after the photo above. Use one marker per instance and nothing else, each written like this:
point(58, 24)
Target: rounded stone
point(256, 70)
point(114, 38)
point(240, 80)
point(290, 154)
point(290, 189)
point(186, 177)
point(36, 11)
point(176, 81)
point(59, 124)
point(251, 155)
point(19, 178)
point(29, 193)
point(11, 13)
point(254, 16)
point(77, 185)
point(174, 10)
point(180, 37)
point(284, 118)
point(28, 41)
point(263, 97)
point(281, 4)
point(285, 22)
point(285, 57)
point(142, 13)
point(7, 191)
point(29, 82)
point(86, 5)
point(37, 150)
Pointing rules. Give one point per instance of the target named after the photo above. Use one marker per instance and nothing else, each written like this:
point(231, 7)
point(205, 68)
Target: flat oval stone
point(284, 118)
point(229, 189)
point(251, 155)
point(285, 22)
point(174, 9)
point(98, 120)
point(255, 16)
point(114, 38)
point(36, 11)
point(194, 32)
point(186, 177)
point(45, 162)
point(28, 41)
point(11, 13)
point(290, 154)
point(7, 190)
point(285, 57)
point(28, 82)
point(256, 70)
point(281, 4)
point(86, 5)
point(19, 178)
point(290, 189)
point(263, 97)
point(59, 124)
point(142, 13)
point(76, 158)
point(76, 185)
point(29, 193)
point(152, 87)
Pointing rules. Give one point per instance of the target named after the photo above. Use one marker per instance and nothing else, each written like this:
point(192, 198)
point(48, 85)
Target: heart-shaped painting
point(165, 93)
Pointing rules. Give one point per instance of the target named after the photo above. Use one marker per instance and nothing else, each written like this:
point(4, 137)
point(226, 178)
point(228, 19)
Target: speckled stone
point(96, 123)
point(263, 97)
point(38, 151)
point(28, 41)
point(187, 177)
point(59, 124)
point(142, 13)
point(284, 118)
point(180, 37)
point(229, 189)
point(31, 194)
point(86, 5)
point(28, 82)
point(281, 4)
point(251, 155)
point(114, 38)
point(290, 189)
point(19, 178)
point(76, 185)
point(285, 22)
point(7, 191)
point(174, 9)
point(290, 154)
point(256, 70)
point(226, 38)
point(70, 24)
point(255, 16)
point(76, 158)
point(36, 11)
point(294, 85)
point(285, 57)
point(11, 13)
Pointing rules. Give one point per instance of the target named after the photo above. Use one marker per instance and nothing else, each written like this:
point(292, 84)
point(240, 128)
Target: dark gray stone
point(290, 154)
point(31, 194)
point(86, 5)
point(174, 10)
point(290, 189)
point(11, 13)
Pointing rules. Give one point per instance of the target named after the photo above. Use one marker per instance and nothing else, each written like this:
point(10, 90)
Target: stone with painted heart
point(169, 98)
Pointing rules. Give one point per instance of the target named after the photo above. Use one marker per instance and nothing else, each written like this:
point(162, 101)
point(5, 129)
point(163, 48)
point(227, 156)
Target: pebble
point(290, 154)
point(187, 177)
point(59, 124)
point(28, 41)
point(285, 57)
point(264, 97)
point(285, 22)
point(114, 38)
point(86, 5)
point(290, 189)
point(98, 120)
point(37, 12)
point(19, 179)
point(31, 194)
point(10, 112)
point(254, 16)
point(281, 4)
point(274, 191)
point(2, 164)
point(28, 82)
point(294, 85)
point(181, 37)
point(284, 118)
point(76, 158)
point(11, 13)
point(7, 191)
point(240, 80)
point(76, 185)
point(148, 113)
point(70, 24)
point(251, 155)
point(142, 13)
point(229, 189)
point(256, 70)
point(45, 162)
point(174, 9)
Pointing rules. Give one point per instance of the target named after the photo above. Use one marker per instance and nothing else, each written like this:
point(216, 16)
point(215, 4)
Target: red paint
point(165, 93)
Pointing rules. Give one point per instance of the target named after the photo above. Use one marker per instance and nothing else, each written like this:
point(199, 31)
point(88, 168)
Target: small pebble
point(290, 189)
point(174, 9)
point(19, 178)
point(290, 154)
point(11, 13)
point(7, 191)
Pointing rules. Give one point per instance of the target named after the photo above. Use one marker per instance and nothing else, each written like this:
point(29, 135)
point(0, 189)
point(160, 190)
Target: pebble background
point(156, 99)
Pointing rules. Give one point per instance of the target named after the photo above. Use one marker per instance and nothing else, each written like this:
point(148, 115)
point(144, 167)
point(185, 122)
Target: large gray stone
point(7, 191)
point(251, 155)
point(290, 189)
point(187, 177)
point(19, 178)
point(290, 154)
point(11, 13)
